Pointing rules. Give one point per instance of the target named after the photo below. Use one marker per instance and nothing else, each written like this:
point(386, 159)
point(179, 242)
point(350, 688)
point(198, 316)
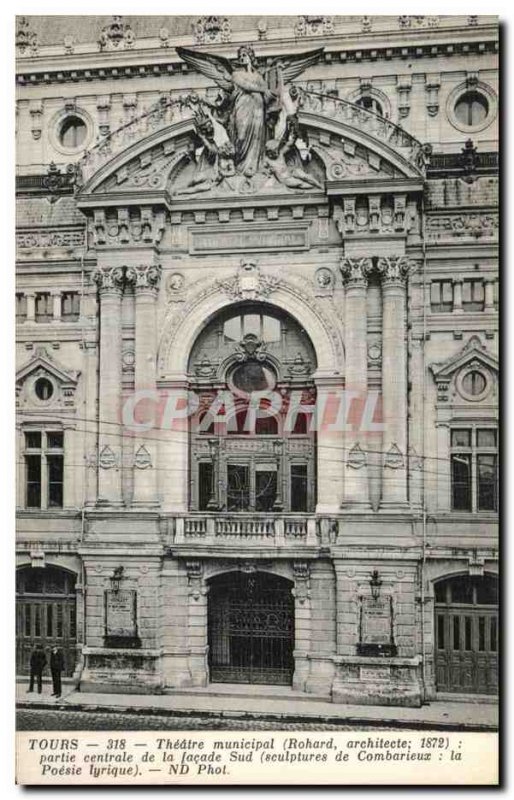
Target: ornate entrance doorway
point(46, 615)
point(251, 629)
point(466, 627)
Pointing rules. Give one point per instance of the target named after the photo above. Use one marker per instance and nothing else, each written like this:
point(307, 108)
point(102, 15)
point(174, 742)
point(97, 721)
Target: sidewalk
point(280, 704)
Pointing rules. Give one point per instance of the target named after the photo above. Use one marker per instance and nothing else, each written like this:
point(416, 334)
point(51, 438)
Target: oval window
point(253, 377)
point(73, 132)
point(471, 108)
point(474, 383)
point(44, 389)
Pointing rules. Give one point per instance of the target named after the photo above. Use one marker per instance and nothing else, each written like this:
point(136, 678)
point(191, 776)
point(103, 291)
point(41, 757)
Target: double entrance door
point(466, 633)
point(251, 629)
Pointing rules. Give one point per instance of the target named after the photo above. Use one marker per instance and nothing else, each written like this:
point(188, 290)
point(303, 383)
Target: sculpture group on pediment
point(247, 138)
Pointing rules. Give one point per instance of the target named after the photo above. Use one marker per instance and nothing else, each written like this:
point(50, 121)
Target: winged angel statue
point(253, 118)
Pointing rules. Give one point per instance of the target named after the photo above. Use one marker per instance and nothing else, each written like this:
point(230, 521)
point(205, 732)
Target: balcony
point(196, 531)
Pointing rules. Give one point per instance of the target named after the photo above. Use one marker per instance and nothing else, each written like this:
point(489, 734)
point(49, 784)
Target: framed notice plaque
point(376, 627)
point(121, 618)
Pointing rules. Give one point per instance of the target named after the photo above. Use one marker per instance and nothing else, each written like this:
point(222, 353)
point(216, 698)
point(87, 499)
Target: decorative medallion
point(142, 458)
point(394, 458)
point(356, 457)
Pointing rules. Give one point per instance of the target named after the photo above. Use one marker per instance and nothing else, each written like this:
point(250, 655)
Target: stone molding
point(144, 276)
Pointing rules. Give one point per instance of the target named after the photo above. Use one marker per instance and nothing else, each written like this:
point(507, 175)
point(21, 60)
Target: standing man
point(37, 665)
point(56, 667)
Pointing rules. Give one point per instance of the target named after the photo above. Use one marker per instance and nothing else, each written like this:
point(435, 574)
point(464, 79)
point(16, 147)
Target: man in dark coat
point(56, 667)
point(37, 665)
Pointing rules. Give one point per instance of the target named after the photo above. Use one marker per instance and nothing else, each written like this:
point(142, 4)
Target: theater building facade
point(257, 375)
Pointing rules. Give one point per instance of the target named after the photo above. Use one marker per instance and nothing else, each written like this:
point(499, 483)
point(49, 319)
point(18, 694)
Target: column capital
point(393, 270)
point(355, 271)
point(108, 279)
point(144, 276)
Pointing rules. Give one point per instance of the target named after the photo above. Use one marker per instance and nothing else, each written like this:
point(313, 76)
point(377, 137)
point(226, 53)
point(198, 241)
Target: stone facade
point(388, 261)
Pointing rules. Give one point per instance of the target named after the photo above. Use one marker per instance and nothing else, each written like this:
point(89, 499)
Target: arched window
point(246, 452)
point(370, 103)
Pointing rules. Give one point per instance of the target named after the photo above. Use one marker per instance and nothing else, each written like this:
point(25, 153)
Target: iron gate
point(251, 629)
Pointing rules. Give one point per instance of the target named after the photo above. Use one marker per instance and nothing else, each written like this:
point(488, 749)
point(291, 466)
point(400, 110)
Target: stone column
point(457, 297)
point(146, 279)
point(110, 286)
point(355, 276)
point(330, 443)
point(393, 271)
point(489, 296)
point(31, 306)
point(57, 306)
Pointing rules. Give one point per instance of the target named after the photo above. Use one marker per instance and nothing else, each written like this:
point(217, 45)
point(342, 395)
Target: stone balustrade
point(260, 528)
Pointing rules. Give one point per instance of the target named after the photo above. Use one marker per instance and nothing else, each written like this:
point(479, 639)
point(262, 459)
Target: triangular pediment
point(472, 354)
point(43, 363)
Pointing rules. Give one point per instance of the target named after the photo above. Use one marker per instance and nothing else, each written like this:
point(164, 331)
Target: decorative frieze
point(44, 238)
point(475, 225)
point(142, 226)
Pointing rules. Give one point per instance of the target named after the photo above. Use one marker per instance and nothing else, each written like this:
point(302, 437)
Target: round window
point(253, 377)
point(44, 389)
point(474, 383)
point(73, 132)
point(471, 108)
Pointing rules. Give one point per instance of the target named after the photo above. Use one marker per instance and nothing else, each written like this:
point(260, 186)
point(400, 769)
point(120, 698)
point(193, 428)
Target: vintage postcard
point(257, 399)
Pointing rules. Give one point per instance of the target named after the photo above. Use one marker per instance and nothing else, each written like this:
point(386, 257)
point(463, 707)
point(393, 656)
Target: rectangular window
point(44, 469)
point(70, 309)
point(205, 479)
point(238, 487)
point(441, 296)
point(33, 473)
point(44, 307)
point(461, 482)
point(473, 295)
point(486, 482)
point(299, 487)
point(21, 307)
point(474, 469)
point(55, 466)
point(265, 489)
point(33, 440)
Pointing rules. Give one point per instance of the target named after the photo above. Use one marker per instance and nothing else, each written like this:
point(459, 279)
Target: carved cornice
point(144, 276)
point(355, 271)
point(108, 279)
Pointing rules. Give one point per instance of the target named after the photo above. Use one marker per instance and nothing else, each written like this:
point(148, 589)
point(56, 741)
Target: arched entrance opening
point(251, 628)
point(46, 615)
point(466, 634)
point(252, 439)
